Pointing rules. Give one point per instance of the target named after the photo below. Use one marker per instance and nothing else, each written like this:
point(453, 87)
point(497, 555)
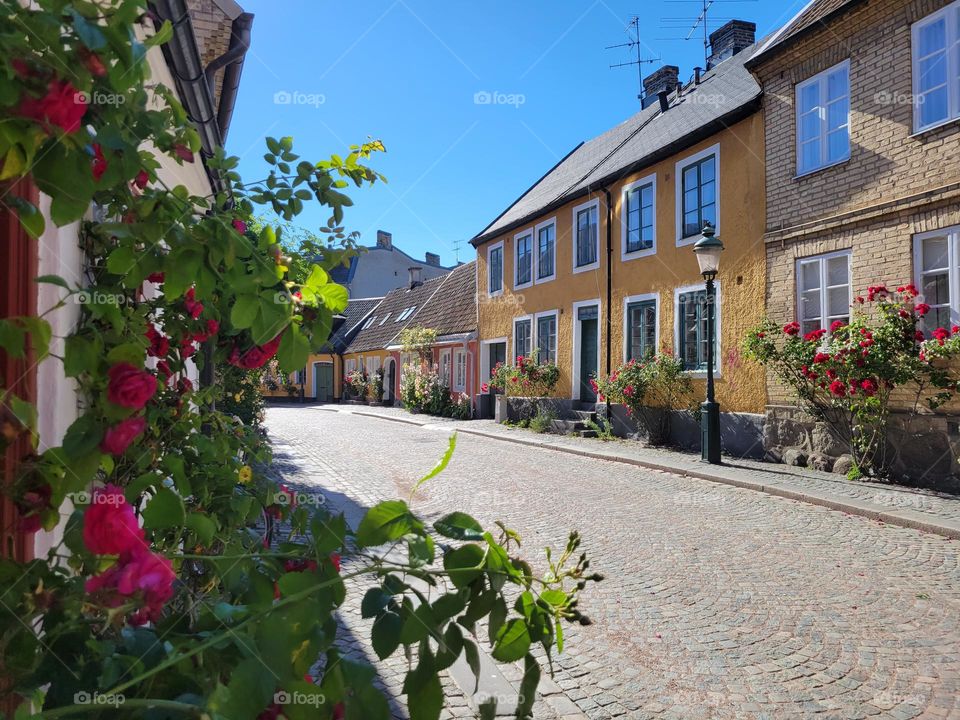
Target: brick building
point(861, 102)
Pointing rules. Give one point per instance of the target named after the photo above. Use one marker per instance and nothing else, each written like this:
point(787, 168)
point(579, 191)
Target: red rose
point(129, 387)
point(99, 164)
point(157, 277)
point(183, 152)
point(838, 388)
point(62, 106)
point(335, 561)
point(163, 369)
point(190, 303)
point(31, 505)
point(792, 328)
point(941, 334)
point(110, 526)
point(117, 438)
point(93, 63)
point(836, 325)
point(159, 343)
point(821, 357)
point(254, 357)
point(213, 327)
point(141, 181)
point(922, 309)
point(240, 226)
point(139, 574)
point(869, 387)
point(187, 349)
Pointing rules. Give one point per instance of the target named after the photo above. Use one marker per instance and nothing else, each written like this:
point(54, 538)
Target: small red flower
point(159, 343)
point(130, 387)
point(141, 179)
point(190, 303)
point(821, 357)
point(922, 309)
point(157, 277)
point(838, 388)
point(836, 325)
point(63, 106)
point(240, 226)
point(93, 63)
point(918, 336)
point(869, 387)
point(183, 152)
point(117, 438)
point(99, 164)
point(792, 328)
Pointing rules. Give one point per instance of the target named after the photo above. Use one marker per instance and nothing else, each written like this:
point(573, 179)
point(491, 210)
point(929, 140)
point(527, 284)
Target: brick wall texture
point(895, 184)
point(211, 26)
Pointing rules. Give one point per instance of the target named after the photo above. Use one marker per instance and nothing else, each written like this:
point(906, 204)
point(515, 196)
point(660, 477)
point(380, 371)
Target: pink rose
point(240, 226)
point(130, 387)
point(138, 574)
point(117, 438)
point(109, 524)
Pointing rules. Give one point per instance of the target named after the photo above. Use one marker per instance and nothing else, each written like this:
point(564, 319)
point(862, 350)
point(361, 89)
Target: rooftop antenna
point(634, 44)
point(456, 251)
point(701, 22)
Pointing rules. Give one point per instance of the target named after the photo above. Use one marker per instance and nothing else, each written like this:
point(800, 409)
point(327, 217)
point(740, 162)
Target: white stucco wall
point(380, 270)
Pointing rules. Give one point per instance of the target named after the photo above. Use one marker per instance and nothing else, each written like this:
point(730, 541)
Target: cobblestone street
point(719, 602)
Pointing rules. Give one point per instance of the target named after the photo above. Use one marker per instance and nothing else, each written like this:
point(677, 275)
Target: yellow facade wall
point(740, 385)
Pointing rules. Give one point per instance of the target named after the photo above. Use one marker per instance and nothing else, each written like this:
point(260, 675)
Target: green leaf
point(40, 334)
point(384, 522)
point(513, 641)
point(165, 510)
point(121, 261)
point(329, 533)
point(464, 564)
point(23, 411)
point(161, 36)
point(65, 209)
point(556, 598)
point(12, 338)
point(425, 695)
point(53, 280)
point(440, 466)
point(81, 355)
point(273, 145)
point(459, 526)
point(472, 655)
point(83, 436)
point(249, 691)
point(386, 634)
point(418, 625)
point(334, 296)
point(498, 616)
point(30, 217)
point(422, 551)
point(244, 311)
point(294, 349)
point(374, 601)
point(488, 709)
point(528, 687)
point(450, 648)
point(202, 526)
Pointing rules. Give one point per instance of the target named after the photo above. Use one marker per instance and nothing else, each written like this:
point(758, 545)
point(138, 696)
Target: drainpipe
point(232, 60)
point(609, 322)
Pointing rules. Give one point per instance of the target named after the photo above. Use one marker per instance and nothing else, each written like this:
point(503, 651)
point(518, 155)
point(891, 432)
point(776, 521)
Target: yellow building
point(594, 264)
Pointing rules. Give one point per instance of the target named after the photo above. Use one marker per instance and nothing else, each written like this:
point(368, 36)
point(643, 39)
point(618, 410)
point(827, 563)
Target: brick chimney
point(416, 276)
point(384, 240)
point(433, 259)
point(666, 78)
point(727, 41)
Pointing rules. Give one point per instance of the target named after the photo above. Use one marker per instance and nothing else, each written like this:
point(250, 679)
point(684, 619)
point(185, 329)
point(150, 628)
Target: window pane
point(933, 71)
point(809, 97)
point(810, 305)
point(708, 192)
point(932, 37)
point(690, 177)
point(708, 215)
point(934, 253)
point(691, 200)
point(838, 301)
point(934, 106)
point(809, 126)
point(588, 313)
point(936, 318)
point(810, 155)
point(837, 270)
point(546, 240)
point(837, 114)
point(708, 170)
point(936, 288)
point(837, 84)
point(838, 145)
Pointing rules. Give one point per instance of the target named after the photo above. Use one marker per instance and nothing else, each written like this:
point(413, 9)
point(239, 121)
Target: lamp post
point(708, 249)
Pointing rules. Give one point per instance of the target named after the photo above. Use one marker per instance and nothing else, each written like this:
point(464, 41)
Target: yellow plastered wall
point(740, 386)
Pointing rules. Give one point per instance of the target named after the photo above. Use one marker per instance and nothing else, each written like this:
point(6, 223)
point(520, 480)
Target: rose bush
point(159, 590)
point(527, 378)
point(846, 375)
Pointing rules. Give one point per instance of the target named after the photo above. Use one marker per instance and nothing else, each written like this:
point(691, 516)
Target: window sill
point(684, 241)
point(814, 171)
point(548, 278)
point(522, 286)
point(701, 374)
point(637, 254)
point(939, 126)
point(587, 268)
point(494, 294)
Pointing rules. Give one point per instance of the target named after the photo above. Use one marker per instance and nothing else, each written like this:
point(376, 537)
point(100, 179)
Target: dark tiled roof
point(345, 329)
point(815, 13)
point(453, 308)
point(725, 94)
point(380, 333)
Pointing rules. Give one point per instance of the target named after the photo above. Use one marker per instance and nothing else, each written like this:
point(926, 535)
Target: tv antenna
point(701, 22)
point(634, 44)
point(456, 251)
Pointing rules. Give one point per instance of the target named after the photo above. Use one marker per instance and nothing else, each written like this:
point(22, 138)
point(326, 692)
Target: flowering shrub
point(846, 375)
point(651, 390)
point(375, 387)
point(461, 407)
point(163, 593)
point(528, 378)
point(423, 390)
point(356, 382)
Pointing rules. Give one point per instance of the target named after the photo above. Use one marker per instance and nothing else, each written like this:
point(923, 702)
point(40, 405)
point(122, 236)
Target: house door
point(390, 381)
point(588, 317)
point(498, 354)
point(323, 381)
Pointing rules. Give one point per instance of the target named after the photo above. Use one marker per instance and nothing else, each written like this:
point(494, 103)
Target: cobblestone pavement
point(719, 602)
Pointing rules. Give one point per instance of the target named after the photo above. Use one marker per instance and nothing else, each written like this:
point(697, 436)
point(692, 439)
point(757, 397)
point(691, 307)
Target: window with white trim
point(823, 291)
point(495, 269)
point(522, 337)
point(547, 338)
point(586, 236)
point(936, 68)
point(698, 195)
point(546, 251)
point(373, 365)
point(641, 329)
point(937, 263)
point(459, 369)
point(639, 225)
point(823, 119)
point(445, 367)
point(523, 260)
point(692, 328)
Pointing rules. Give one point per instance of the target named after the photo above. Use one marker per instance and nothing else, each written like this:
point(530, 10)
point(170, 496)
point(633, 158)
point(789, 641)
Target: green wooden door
point(588, 317)
point(323, 381)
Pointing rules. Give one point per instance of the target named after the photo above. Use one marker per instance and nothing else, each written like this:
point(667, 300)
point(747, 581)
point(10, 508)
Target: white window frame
point(446, 367)
point(575, 370)
point(822, 260)
point(349, 366)
point(821, 79)
point(459, 362)
point(627, 302)
point(373, 365)
point(678, 189)
point(513, 337)
point(536, 240)
point(516, 259)
point(495, 246)
point(595, 203)
point(717, 315)
point(953, 265)
point(624, 219)
point(536, 333)
point(952, 14)
point(485, 368)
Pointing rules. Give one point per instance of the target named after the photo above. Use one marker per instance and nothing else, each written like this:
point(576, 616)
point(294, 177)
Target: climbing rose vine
point(848, 375)
point(183, 581)
point(526, 378)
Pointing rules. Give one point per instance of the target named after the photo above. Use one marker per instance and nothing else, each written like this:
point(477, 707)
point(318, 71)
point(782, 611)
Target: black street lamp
point(708, 249)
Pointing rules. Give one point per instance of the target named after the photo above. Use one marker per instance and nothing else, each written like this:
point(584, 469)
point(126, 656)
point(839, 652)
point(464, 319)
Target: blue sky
point(415, 73)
